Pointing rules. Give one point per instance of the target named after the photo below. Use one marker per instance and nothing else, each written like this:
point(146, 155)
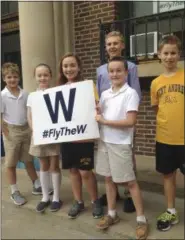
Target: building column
point(64, 29)
point(37, 39)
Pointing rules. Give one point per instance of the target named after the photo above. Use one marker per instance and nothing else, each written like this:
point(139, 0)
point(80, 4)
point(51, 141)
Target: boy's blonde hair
point(10, 68)
point(171, 39)
point(115, 34)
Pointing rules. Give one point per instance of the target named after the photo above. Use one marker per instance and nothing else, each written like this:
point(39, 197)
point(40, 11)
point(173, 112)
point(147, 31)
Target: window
point(143, 8)
point(8, 7)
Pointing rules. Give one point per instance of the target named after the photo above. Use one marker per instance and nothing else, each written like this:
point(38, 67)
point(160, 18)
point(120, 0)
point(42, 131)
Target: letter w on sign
point(59, 101)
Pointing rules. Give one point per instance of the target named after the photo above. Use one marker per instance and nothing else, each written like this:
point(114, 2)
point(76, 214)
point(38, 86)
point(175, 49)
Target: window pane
point(4, 8)
point(13, 7)
point(9, 7)
point(142, 8)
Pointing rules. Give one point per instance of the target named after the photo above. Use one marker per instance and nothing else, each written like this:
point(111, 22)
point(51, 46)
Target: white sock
point(141, 219)
point(37, 183)
point(112, 213)
point(44, 180)
point(50, 181)
point(14, 188)
point(172, 210)
point(56, 180)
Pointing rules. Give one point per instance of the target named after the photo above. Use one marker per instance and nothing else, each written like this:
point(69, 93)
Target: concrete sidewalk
point(84, 226)
point(149, 179)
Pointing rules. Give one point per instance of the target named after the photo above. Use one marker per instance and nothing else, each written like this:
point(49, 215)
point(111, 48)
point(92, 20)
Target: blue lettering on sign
point(59, 99)
point(63, 131)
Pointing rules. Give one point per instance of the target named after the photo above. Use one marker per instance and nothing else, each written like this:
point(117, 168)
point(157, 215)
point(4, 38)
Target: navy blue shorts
point(78, 155)
point(169, 158)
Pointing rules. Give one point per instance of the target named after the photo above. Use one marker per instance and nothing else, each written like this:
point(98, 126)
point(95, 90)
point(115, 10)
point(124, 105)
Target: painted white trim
point(166, 6)
point(155, 35)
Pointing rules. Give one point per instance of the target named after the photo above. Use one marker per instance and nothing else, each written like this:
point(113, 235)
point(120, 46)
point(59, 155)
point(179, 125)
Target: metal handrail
point(132, 23)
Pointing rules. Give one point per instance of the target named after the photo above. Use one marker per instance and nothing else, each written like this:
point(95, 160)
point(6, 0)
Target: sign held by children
point(64, 114)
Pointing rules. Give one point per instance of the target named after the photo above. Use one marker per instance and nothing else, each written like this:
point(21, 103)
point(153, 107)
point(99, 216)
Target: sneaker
point(41, 207)
point(18, 199)
point(166, 220)
point(128, 205)
point(37, 191)
point(142, 230)
point(103, 199)
point(107, 221)
point(55, 206)
point(76, 209)
point(97, 211)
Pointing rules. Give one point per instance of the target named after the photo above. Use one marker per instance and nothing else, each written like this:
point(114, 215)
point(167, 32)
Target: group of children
point(116, 113)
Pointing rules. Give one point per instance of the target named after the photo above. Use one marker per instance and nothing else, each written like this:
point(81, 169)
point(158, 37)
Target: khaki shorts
point(47, 150)
point(17, 145)
point(115, 160)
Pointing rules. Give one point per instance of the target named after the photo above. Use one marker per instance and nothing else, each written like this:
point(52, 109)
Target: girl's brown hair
point(61, 78)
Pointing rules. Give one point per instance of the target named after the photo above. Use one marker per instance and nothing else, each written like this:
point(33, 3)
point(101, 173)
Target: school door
point(10, 52)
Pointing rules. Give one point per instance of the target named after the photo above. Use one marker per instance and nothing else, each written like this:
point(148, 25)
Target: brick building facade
point(87, 45)
point(74, 26)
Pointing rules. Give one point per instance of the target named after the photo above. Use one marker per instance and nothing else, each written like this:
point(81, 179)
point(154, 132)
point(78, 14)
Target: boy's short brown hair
point(171, 39)
point(115, 34)
point(10, 68)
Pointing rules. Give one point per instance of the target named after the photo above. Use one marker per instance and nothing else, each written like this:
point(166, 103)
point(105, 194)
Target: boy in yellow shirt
point(167, 97)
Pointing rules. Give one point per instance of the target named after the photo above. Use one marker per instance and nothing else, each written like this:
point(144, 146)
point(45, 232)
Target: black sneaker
point(103, 199)
point(41, 207)
point(37, 191)
point(128, 205)
point(55, 206)
point(76, 209)
point(166, 220)
point(97, 211)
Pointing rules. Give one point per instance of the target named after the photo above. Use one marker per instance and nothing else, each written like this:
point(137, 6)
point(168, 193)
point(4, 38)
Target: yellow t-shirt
point(168, 94)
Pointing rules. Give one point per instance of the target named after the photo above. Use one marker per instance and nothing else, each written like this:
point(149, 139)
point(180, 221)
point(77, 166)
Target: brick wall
point(145, 128)
point(86, 19)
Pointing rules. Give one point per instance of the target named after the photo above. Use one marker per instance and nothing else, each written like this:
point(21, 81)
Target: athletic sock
point(44, 180)
point(56, 180)
point(112, 213)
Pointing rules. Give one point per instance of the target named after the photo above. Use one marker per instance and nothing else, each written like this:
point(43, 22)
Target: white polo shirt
point(13, 108)
point(114, 106)
point(30, 98)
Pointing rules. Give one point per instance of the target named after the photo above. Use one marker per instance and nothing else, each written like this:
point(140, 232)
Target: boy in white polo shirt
point(117, 117)
point(16, 132)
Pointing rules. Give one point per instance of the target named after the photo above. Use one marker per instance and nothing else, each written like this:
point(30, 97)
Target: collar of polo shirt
point(10, 95)
point(122, 89)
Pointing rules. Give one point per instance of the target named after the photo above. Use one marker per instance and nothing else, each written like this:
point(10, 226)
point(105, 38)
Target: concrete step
point(154, 205)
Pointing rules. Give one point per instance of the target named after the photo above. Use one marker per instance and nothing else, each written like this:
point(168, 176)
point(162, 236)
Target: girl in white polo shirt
point(117, 117)
point(47, 154)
